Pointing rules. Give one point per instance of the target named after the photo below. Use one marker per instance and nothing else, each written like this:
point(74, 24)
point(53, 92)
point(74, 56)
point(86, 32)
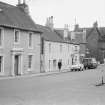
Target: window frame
point(2, 69)
point(18, 36)
point(30, 47)
point(2, 37)
point(61, 48)
point(30, 69)
point(49, 47)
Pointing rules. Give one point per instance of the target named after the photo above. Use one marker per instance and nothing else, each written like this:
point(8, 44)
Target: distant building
point(80, 38)
point(19, 41)
point(95, 42)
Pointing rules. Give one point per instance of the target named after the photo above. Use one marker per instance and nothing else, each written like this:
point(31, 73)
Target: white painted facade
point(55, 51)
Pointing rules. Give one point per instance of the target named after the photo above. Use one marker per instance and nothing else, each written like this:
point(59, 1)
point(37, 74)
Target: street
point(71, 88)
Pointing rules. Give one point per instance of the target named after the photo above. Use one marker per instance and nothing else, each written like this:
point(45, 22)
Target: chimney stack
point(76, 27)
point(24, 1)
point(19, 2)
point(95, 24)
point(66, 30)
point(49, 22)
point(23, 6)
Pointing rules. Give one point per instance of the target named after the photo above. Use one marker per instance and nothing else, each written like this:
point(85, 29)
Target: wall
point(57, 54)
point(9, 45)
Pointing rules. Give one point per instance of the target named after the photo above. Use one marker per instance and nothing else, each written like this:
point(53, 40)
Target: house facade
point(19, 42)
point(57, 46)
point(55, 52)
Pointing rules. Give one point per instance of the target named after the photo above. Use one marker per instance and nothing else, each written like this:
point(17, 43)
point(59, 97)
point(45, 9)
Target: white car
point(77, 67)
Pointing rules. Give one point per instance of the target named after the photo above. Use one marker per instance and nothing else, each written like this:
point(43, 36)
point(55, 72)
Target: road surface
point(71, 88)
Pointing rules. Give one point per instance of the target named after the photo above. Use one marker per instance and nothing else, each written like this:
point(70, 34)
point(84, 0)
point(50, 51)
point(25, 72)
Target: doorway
point(16, 65)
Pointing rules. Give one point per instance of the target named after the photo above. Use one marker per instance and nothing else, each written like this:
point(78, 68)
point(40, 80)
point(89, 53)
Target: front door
point(16, 65)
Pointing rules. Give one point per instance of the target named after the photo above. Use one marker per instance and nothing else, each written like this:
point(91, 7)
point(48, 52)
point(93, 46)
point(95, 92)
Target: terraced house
point(57, 47)
point(19, 41)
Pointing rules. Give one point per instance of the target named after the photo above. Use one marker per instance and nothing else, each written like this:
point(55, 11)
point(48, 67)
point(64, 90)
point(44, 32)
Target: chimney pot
point(95, 24)
point(19, 2)
point(24, 1)
point(76, 27)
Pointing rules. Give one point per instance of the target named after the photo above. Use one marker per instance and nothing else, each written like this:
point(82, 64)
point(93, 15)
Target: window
point(30, 40)
point(60, 48)
point(1, 63)
point(1, 38)
point(49, 47)
point(16, 39)
point(76, 48)
point(68, 48)
point(42, 45)
point(29, 61)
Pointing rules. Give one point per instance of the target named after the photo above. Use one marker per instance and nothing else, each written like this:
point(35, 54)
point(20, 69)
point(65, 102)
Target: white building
point(56, 46)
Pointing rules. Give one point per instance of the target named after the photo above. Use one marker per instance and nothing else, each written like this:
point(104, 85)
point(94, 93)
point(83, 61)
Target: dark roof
point(5, 5)
point(68, 39)
point(79, 38)
point(50, 35)
point(100, 30)
point(60, 32)
point(14, 17)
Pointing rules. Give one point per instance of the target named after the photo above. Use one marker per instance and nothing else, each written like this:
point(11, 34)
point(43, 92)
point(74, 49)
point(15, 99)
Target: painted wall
point(23, 44)
point(56, 53)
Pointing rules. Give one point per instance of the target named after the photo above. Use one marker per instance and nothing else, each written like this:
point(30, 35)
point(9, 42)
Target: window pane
point(0, 63)
point(30, 61)
point(16, 36)
point(49, 47)
point(30, 40)
point(0, 37)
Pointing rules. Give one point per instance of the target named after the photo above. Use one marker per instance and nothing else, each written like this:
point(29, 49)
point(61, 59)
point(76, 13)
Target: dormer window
point(16, 36)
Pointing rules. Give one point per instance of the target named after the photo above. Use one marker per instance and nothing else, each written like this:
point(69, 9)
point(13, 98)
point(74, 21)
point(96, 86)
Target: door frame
point(20, 72)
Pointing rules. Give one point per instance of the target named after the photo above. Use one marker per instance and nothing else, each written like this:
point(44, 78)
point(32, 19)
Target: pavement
point(101, 66)
point(35, 74)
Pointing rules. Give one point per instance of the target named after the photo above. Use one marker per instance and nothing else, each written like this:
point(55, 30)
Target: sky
point(82, 12)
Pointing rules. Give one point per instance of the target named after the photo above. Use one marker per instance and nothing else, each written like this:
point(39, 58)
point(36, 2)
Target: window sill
point(30, 47)
point(16, 43)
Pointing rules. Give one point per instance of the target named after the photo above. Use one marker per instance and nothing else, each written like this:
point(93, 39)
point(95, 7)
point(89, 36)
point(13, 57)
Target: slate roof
point(5, 5)
point(68, 39)
point(52, 35)
point(100, 31)
point(79, 38)
point(14, 17)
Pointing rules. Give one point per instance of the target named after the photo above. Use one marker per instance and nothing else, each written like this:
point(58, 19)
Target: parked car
point(90, 63)
point(77, 67)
